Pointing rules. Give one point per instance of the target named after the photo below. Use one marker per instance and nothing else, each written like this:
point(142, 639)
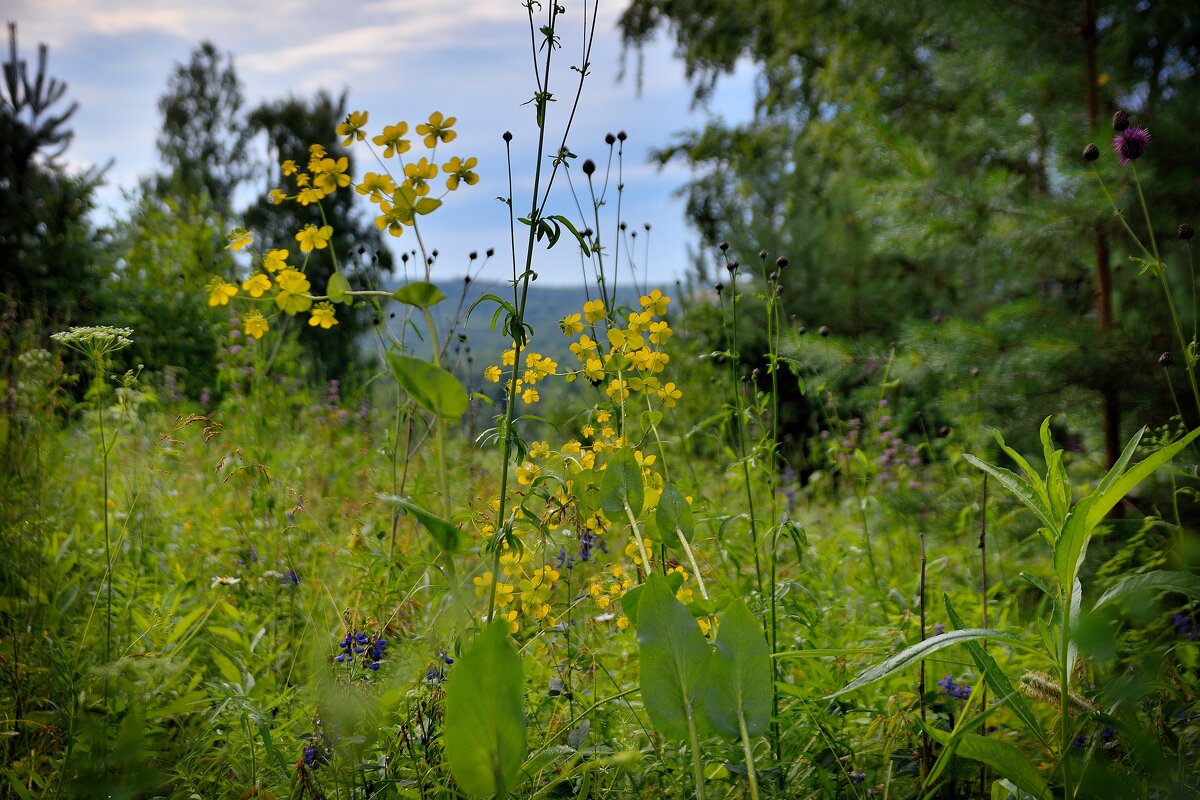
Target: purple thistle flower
point(1131, 143)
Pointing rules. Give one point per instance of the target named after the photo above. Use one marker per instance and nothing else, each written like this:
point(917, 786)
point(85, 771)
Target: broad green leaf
point(485, 726)
point(629, 600)
point(998, 680)
point(1158, 582)
point(621, 484)
point(739, 682)
point(420, 294)
point(337, 287)
point(1022, 489)
point(1004, 757)
point(917, 652)
point(673, 659)
point(1089, 512)
point(427, 205)
point(674, 515)
point(432, 387)
point(443, 532)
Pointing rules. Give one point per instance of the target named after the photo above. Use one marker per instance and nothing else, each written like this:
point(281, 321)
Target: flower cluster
point(522, 589)
point(358, 646)
point(399, 202)
point(1185, 626)
point(956, 690)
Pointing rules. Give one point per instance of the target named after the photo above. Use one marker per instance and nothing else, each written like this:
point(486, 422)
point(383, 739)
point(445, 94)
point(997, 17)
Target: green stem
point(687, 549)
point(748, 753)
point(694, 746)
point(1064, 678)
point(741, 432)
point(637, 538)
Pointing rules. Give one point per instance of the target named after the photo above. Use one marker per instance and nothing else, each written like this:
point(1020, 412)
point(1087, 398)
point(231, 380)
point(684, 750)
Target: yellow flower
point(531, 396)
point(504, 594)
point(509, 357)
point(603, 416)
point(275, 260)
point(352, 128)
point(511, 618)
point(219, 291)
point(322, 315)
point(437, 129)
point(315, 153)
point(391, 139)
point(239, 238)
point(389, 220)
point(539, 450)
point(527, 472)
point(585, 347)
point(656, 302)
point(377, 186)
point(302, 180)
point(483, 584)
point(617, 390)
point(492, 374)
point(419, 175)
point(622, 622)
point(593, 310)
point(313, 237)
point(626, 340)
point(310, 195)
point(288, 168)
point(257, 284)
point(669, 394)
point(459, 170)
point(332, 174)
point(278, 196)
point(256, 325)
point(638, 321)
point(571, 325)
point(293, 288)
point(593, 370)
point(660, 332)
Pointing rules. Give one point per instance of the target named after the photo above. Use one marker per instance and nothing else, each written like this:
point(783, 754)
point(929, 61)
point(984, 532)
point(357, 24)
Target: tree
point(291, 126)
point(45, 238)
point(204, 137)
point(920, 161)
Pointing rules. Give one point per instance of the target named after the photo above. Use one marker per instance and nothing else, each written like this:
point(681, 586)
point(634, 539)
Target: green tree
point(919, 162)
point(204, 139)
point(45, 237)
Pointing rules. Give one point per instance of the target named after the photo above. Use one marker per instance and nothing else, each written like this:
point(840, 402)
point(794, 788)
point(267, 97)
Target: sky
point(398, 60)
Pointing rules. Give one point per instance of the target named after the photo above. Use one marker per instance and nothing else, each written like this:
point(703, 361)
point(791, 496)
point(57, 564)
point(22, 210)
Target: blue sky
point(399, 59)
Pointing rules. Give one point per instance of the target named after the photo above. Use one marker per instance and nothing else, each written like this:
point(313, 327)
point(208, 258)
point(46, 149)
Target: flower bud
point(622, 136)
point(1186, 231)
point(781, 262)
point(720, 287)
point(507, 136)
point(1166, 359)
point(1091, 153)
point(1120, 121)
point(723, 246)
point(589, 167)
point(823, 330)
point(609, 139)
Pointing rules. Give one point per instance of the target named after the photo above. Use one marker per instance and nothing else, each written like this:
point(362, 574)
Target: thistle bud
point(609, 139)
point(723, 246)
point(823, 330)
point(782, 262)
point(507, 136)
point(622, 136)
point(1186, 231)
point(589, 167)
point(1166, 359)
point(1120, 121)
point(1091, 153)
point(720, 287)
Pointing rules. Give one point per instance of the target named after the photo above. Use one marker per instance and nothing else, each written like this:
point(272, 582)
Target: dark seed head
point(1091, 153)
point(723, 246)
point(782, 262)
point(1120, 121)
point(507, 136)
point(803, 330)
point(1166, 359)
point(823, 330)
point(720, 287)
point(491, 251)
point(589, 167)
point(622, 136)
point(472, 255)
point(762, 255)
point(1186, 231)
point(609, 139)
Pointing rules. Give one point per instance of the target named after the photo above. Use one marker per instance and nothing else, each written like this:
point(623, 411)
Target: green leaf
point(420, 294)
point(485, 726)
point(432, 387)
point(337, 287)
point(739, 682)
point(1004, 757)
point(1023, 490)
point(917, 652)
point(443, 532)
point(1071, 547)
point(673, 659)
point(998, 680)
point(1159, 582)
point(427, 205)
point(621, 484)
point(674, 516)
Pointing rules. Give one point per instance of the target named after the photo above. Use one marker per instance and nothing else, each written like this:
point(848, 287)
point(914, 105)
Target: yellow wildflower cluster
point(522, 590)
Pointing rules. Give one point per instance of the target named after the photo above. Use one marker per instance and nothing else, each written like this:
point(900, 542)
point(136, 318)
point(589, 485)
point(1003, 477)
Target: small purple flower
point(1131, 143)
